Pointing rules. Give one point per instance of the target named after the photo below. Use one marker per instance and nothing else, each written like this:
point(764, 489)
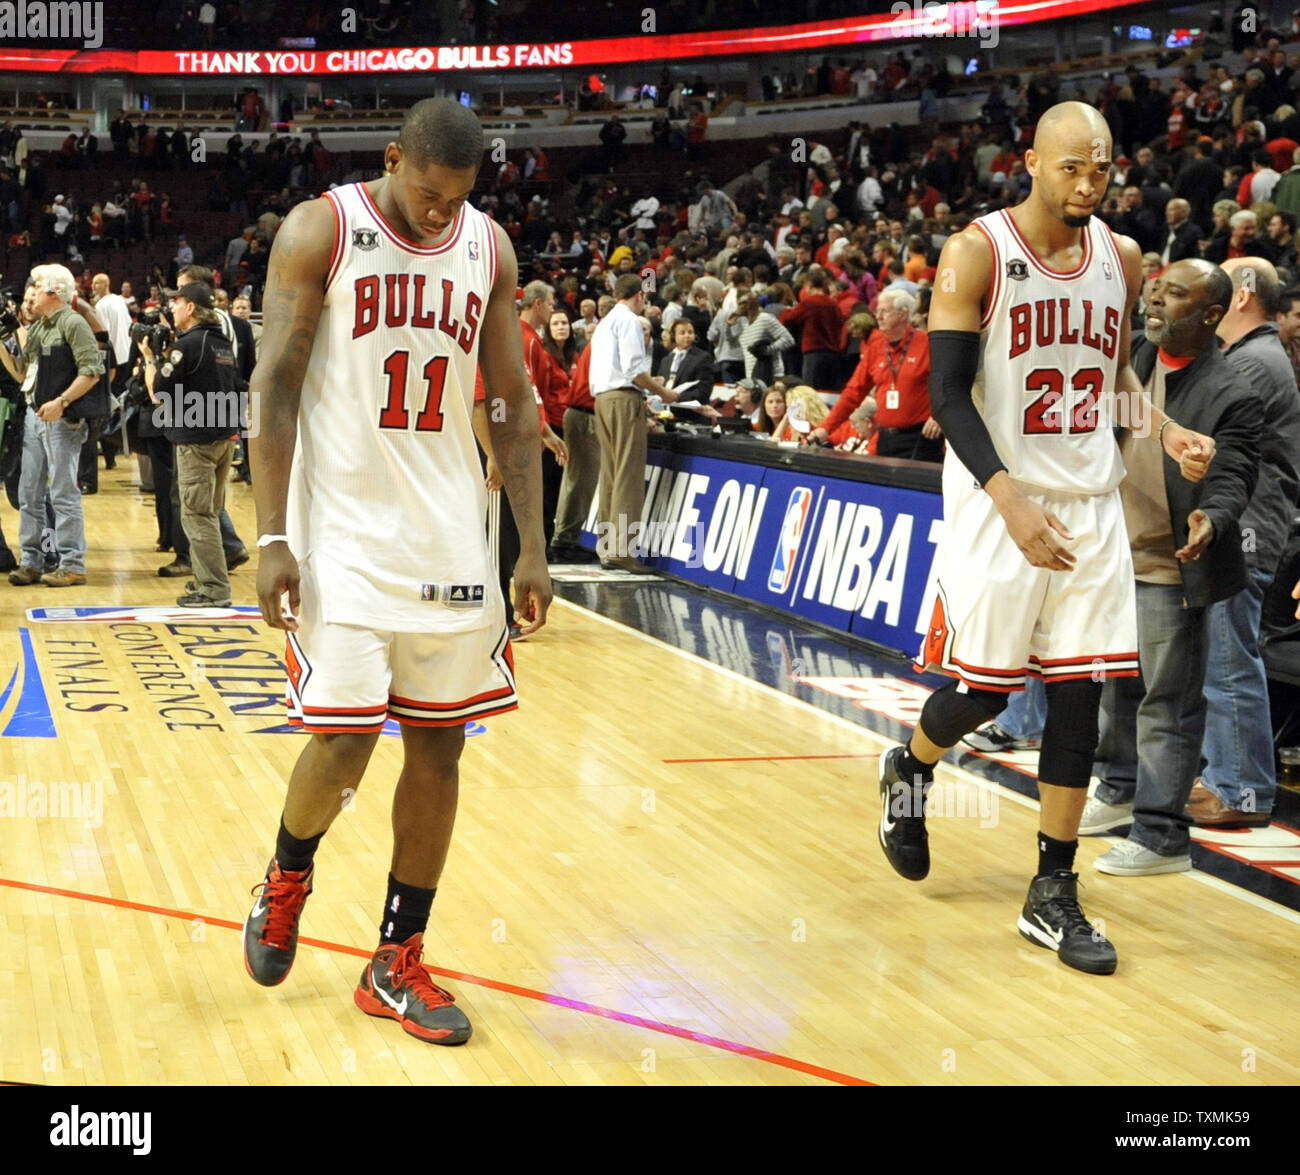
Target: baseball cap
point(196, 292)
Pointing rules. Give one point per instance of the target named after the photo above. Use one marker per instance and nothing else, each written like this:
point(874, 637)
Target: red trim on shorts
point(1086, 676)
point(327, 710)
point(995, 290)
point(441, 707)
point(293, 667)
point(987, 686)
point(935, 653)
point(461, 721)
point(1083, 660)
point(989, 672)
point(314, 728)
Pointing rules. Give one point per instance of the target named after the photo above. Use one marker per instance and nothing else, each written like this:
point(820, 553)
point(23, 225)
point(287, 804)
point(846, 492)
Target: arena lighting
point(922, 21)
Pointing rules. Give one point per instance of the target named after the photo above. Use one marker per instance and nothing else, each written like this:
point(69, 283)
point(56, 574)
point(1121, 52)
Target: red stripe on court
point(717, 1042)
point(768, 758)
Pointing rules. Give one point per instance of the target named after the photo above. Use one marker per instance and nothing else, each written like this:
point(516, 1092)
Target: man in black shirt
point(199, 402)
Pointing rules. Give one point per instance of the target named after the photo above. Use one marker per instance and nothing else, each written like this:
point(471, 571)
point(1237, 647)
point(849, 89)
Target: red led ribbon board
point(970, 21)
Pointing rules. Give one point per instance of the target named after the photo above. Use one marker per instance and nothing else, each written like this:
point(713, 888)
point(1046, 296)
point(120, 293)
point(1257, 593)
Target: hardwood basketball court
point(663, 873)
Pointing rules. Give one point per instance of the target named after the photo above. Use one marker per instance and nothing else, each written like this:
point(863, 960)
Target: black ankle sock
point(406, 911)
point(1055, 854)
point(294, 855)
point(909, 767)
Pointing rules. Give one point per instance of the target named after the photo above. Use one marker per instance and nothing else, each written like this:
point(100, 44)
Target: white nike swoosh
point(1055, 935)
point(886, 823)
point(258, 910)
point(400, 1009)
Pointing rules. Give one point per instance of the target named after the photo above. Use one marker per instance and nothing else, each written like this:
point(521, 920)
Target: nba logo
point(1105, 268)
point(787, 546)
point(473, 250)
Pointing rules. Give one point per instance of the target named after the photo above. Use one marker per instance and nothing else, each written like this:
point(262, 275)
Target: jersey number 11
point(395, 414)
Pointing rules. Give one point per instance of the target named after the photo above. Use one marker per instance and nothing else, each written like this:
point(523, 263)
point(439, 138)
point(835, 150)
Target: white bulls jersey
point(1049, 358)
point(386, 497)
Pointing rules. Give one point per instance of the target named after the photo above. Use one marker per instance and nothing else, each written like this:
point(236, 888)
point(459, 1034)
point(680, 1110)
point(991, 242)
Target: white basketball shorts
point(345, 679)
point(998, 620)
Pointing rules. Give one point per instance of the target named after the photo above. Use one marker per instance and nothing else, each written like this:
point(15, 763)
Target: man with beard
point(1036, 576)
point(1187, 544)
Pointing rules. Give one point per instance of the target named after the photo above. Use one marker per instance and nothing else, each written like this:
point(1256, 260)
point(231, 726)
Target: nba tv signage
point(970, 18)
point(853, 555)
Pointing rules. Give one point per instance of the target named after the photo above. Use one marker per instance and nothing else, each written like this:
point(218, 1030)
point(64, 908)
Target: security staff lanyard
point(891, 392)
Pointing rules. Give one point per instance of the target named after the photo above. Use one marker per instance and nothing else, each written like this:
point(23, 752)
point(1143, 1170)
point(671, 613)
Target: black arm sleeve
point(954, 362)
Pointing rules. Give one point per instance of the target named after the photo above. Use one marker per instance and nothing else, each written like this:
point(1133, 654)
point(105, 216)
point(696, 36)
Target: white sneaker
point(1099, 817)
point(1130, 859)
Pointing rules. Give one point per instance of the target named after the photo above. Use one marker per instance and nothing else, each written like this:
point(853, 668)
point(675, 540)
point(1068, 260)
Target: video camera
point(156, 327)
point(9, 320)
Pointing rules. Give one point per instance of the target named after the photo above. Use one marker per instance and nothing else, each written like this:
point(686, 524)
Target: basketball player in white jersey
point(1035, 572)
point(381, 298)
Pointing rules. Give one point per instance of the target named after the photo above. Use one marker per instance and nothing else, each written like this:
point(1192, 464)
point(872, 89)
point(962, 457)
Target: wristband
point(1160, 433)
point(267, 539)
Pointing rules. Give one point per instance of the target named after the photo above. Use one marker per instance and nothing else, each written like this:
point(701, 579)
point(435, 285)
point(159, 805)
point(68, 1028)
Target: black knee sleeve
point(955, 710)
point(1070, 733)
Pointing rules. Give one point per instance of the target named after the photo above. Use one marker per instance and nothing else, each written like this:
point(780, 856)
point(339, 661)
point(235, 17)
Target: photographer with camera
point(60, 363)
point(199, 379)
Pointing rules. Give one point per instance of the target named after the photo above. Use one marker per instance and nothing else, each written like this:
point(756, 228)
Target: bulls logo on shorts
point(787, 546)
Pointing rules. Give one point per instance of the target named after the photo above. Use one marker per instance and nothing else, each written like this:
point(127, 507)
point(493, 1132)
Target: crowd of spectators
point(783, 274)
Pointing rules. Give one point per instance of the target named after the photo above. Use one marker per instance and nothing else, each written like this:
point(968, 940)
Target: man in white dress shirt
point(620, 372)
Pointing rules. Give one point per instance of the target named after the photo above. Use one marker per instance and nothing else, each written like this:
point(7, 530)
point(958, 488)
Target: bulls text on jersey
point(401, 299)
point(1052, 321)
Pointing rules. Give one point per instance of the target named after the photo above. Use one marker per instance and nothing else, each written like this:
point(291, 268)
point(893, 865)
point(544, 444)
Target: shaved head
point(1067, 122)
point(1070, 162)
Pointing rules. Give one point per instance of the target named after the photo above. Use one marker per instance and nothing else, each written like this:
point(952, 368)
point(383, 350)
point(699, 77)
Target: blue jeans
point(1238, 746)
point(1150, 749)
point(1026, 712)
point(51, 452)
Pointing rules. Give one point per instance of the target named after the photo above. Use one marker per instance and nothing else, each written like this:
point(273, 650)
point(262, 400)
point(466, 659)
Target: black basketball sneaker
point(1053, 919)
point(902, 819)
point(271, 928)
point(397, 985)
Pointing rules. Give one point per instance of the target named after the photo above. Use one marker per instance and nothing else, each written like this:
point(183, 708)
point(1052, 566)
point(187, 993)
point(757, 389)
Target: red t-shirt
point(821, 320)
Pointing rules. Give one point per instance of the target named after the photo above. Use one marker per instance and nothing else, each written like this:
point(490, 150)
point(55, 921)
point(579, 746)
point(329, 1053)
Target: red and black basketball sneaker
point(395, 984)
point(271, 928)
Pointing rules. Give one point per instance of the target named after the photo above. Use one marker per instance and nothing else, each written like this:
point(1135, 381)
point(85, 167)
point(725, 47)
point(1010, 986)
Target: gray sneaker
point(1130, 859)
point(1099, 816)
point(993, 740)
